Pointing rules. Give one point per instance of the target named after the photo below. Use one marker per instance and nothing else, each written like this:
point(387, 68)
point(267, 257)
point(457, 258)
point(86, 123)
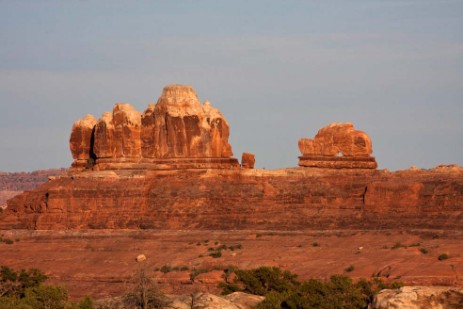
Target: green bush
point(24, 289)
point(282, 290)
point(46, 297)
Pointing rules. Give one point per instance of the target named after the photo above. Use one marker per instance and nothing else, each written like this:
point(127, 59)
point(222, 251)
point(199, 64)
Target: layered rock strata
point(337, 145)
point(177, 132)
point(291, 199)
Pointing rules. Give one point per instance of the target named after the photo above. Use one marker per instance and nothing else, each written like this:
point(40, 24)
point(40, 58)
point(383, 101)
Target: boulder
point(337, 145)
point(419, 297)
point(247, 160)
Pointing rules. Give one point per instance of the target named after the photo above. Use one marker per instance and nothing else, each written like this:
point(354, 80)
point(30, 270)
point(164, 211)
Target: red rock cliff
point(171, 168)
point(292, 199)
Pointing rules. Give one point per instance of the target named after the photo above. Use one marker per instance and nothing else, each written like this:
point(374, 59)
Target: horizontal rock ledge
point(166, 164)
point(338, 162)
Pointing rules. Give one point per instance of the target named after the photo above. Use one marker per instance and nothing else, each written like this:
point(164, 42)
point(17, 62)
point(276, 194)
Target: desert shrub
point(86, 303)
point(424, 250)
point(196, 272)
point(46, 297)
point(14, 283)
point(263, 280)
point(315, 244)
point(166, 268)
point(6, 241)
point(24, 289)
point(443, 256)
point(282, 290)
point(349, 268)
point(235, 247)
point(216, 254)
point(398, 245)
point(145, 293)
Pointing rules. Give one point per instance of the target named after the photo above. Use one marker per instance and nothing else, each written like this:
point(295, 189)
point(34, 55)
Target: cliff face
point(293, 199)
point(171, 168)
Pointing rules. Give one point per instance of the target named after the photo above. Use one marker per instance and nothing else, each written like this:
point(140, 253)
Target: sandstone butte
point(171, 168)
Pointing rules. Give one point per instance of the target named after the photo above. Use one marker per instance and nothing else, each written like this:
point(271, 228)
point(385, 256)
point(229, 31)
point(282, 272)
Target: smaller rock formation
point(248, 160)
point(81, 141)
point(337, 145)
point(418, 297)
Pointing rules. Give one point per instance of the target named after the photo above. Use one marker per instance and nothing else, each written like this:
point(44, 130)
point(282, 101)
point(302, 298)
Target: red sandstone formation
point(337, 145)
point(292, 199)
point(170, 168)
point(81, 141)
point(178, 132)
point(247, 160)
point(117, 134)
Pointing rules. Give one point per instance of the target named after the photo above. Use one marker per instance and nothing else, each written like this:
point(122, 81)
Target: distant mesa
point(337, 145)
point(177, 132)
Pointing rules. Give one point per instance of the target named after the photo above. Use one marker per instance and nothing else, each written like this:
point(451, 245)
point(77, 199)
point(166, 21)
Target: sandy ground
point(101, 263)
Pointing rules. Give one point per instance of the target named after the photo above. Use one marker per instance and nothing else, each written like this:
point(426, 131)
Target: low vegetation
point(282, 289)
point(443, 256)
point(25, 289)
point(6, 240)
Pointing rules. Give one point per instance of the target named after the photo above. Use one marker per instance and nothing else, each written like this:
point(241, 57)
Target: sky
point(277, 70)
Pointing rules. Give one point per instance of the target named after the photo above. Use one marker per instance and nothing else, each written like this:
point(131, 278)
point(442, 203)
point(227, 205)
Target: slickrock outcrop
point(337, 145)
point(248, 160)
point(235, 300)
point(419, 297)
point(177, 132)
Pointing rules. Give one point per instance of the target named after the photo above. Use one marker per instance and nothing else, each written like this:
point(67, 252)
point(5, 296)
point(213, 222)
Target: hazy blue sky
point(278, 71)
